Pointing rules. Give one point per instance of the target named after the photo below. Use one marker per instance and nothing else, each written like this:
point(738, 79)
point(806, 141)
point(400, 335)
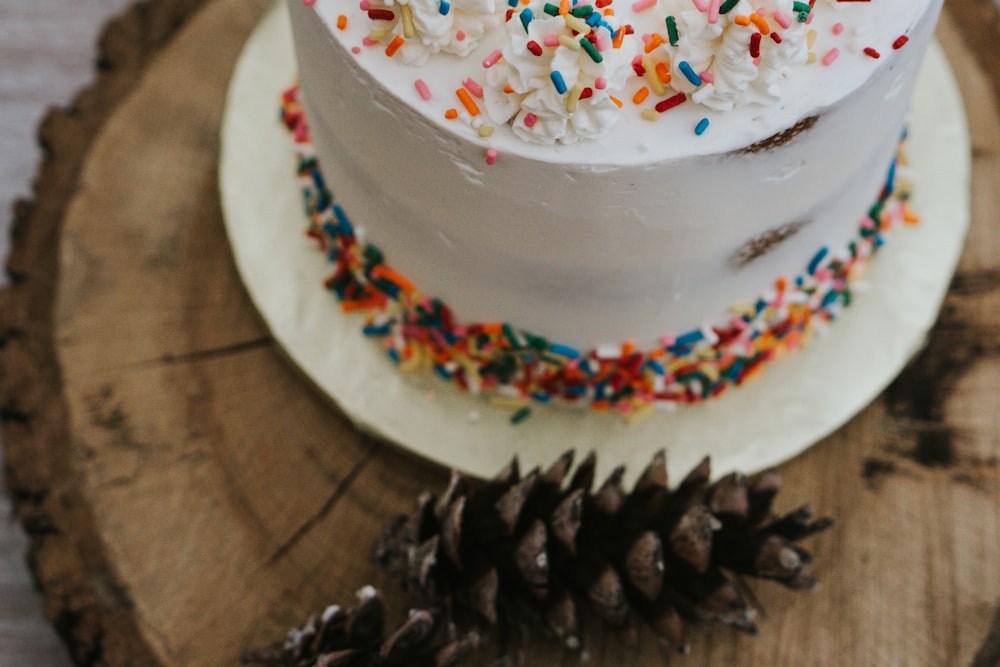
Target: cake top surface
point(616, 82)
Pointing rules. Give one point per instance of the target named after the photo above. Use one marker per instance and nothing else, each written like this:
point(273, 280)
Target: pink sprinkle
point(367, 41)
point(308, 3)
point(600, 83)
point(713, 11)
point(642, 5)
point(782, 19)
point(355, 50)
point(530, 119)
point(425, 92)
point(838, 28)
point(756, 60)
point(646, 37)
point(551, 40)
point(460, 36)
point(364, 5)
point(603, 43)
point(491, 156)
point(492, 59)
point(473, 87)
point(830, 56)
point(707, 77)
point(701, 5)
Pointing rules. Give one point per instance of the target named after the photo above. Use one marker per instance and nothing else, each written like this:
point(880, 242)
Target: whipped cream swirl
point(438, 26)
point(722, 50)
point(552, 88)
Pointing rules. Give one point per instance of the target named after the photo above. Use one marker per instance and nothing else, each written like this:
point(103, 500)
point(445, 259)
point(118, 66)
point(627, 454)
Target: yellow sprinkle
point(508, 401)
point(407, 18)
point(577, 24)
point(650, 114)
point(654, 81)
point(811, 58)
point(811, 38)
point(639, 412)
point(569, 42)
point(378, 35)
point(485, 131)
point(574, 97)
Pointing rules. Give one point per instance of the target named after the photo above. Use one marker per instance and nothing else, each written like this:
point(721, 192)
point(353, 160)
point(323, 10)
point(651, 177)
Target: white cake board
point(792, 404)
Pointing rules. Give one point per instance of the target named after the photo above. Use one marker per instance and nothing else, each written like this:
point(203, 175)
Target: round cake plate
point(795, 402)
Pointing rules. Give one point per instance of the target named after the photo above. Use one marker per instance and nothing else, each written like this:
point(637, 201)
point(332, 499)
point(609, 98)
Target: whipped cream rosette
point(725, 59)
point(426, 27)
point(559, 73)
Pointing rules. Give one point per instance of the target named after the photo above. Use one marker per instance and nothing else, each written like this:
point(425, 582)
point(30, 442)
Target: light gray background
point(47, 50)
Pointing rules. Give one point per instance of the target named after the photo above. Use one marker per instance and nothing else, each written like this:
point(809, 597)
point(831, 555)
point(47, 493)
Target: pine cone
point(356, 638)
point(535, 548)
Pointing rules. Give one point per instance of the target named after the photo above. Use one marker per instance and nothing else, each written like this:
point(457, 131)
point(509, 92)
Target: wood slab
point(189, 496)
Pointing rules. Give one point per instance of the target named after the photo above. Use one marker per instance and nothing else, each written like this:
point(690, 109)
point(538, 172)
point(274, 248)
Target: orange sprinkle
point(617, 101)
point(781, 284)
point(601, 405)
point(628, 347)
point(508, 89)
point(909, 217)
point(662, 72)
point(385, 272)
point(451, 114)
point(761, 24)
point(618, 39)
point(609, 12)
point(394, 45)
point(493, 328)
point(466, 99)
point(342, 22)
point(563, 7)
point(362, 304)
point(742, 20)
point(653, 42)
point(640, 95)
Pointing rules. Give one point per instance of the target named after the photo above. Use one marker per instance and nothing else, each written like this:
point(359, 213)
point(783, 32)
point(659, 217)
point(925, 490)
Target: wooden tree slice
point(189, 496)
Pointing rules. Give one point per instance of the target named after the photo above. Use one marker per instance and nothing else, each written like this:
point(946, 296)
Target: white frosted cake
point(624, 203)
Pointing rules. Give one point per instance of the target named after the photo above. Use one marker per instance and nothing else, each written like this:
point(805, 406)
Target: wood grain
point(191, 496)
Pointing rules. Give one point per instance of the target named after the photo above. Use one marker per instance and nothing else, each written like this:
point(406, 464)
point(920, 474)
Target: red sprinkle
point(872, 53)
point(380, 14)
point(535, 48)
point(671, 102)
point(776, 37)
point(900, 41)
point(755, 45)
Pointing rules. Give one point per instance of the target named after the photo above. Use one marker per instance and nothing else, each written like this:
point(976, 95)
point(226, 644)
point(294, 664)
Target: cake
point(619, 204)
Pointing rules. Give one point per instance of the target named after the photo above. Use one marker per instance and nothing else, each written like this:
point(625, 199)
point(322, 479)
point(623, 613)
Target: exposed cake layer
point(650, 228)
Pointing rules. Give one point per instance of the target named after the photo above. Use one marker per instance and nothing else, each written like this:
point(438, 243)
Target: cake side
point(591, 252)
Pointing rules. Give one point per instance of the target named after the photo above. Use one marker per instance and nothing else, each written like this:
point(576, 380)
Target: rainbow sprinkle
point(517, 367)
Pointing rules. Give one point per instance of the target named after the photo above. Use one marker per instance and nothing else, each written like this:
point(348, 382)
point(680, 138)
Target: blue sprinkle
point(564, 350)
point(345, 224)
point(689, 73)
point(576, 390)
point(557, 81)
point(688, 338)
point(701, 127)
point(593, 19)
point(541, 397)
point(444, 8)
point(512, 3)
point(317, 177)
point(829, 299)
point(815, 261)
point(394, 355)
point(526, 15)
point(890, 181)
point(442, 371)
point(656, 366)
point(375, 330)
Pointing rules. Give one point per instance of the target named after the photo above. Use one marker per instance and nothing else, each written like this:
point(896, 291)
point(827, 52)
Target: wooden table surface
point(46, 54)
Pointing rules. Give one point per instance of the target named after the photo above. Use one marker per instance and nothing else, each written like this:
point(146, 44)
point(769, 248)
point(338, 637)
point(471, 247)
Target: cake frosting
point(682, 160)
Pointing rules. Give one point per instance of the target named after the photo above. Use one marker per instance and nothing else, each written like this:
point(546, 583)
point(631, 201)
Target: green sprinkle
point(550, 9)
point(800, 7)
point(672, 30)
point(511, 335)
point(582, 12)
point(520, 415)
point(591, 50)
point(727, 6)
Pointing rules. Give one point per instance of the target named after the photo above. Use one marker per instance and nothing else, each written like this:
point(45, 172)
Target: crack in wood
point(327, 507)
point(214, 353)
